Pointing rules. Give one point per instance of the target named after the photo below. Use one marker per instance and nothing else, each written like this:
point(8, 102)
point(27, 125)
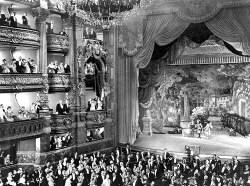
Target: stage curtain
point(232, 25)
point(128, 106)
point(162, 30)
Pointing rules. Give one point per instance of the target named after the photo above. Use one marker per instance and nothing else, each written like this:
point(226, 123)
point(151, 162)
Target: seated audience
point(22, 114)
point(9, 114)
point(60, 68)
point(32, 66)
point(3, 21)
point(13, 20)
point(52, 67)
point(58, 142)
point(5, 69)
point(2, 114)
point(60, 108)
point(100, 170)
point(66, 68)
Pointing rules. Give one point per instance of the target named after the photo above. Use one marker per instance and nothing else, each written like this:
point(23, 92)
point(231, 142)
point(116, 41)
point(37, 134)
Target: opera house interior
point(124, 92)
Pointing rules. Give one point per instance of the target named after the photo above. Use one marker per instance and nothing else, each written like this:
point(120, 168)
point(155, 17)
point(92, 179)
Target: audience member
point(13, 20)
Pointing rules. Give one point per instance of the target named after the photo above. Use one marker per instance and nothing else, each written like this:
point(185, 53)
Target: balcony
point(61, 123)
point(93, 117)
point(21, 129)
point(19, 36)
point(59, 82)
point(20, 82)
point(27, 2)
point(57, 43)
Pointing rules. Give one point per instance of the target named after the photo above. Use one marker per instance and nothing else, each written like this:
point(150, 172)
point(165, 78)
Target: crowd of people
point(11, 20)
point(23, 114)
point(62, 141)
point(127, 168)
point(5, 159)
point(55, 68)
point(20, 66)
point(95, 134)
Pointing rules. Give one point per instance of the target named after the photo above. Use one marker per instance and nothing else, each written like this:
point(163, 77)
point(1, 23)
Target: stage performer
point(199, 128)
point(207, 130)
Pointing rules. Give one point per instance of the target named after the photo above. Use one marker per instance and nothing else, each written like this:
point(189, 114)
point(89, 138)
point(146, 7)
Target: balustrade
point(21, 82)
point(57, 42)
point(21, 129)
point(16, 35)
point(237, 123)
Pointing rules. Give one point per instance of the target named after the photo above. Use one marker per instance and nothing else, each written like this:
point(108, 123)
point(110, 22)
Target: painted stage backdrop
point(179, 92)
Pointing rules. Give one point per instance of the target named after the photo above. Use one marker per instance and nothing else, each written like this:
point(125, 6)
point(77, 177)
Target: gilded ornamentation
point(26, 157)
point(62, 80)
point(96, 116)
point(21, 81)
point(19, 35)
point(20, 129)
point(61, 121)
point(41, 14)
point(58, 42)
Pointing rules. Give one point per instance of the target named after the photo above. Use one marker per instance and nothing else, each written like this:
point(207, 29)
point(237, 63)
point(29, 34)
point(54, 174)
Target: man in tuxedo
point(13, 20)
point(116, 181)
point(66, 68)
point(92, 34)
point(165, 155)
point(150, 175)
point(59, 108)
point(19, 65)
point(86, 33)
point(66, 107)
point(127, 151)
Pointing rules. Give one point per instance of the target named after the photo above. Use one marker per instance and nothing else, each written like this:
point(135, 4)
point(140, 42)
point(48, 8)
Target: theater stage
point(220, 143)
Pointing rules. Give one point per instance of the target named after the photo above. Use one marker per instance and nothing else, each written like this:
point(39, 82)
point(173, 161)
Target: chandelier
point(99, 13)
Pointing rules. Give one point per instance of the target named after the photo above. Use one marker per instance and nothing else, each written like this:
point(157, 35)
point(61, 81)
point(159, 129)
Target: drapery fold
point(162, 30)
point(233, 25)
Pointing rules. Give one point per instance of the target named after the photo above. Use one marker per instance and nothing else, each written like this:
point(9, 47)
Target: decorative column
point(43, 142)
point(109, 42)
point(147, 123)
point(41, 16)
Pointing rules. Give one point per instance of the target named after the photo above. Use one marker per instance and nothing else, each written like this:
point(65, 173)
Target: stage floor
point(220, 143)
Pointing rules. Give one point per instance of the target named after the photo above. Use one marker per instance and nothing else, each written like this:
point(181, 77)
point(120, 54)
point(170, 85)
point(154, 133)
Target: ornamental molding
point(19, 36)
point(193, 11)
point(27, 2)
point(41, 14)
point(59, 80)
point(21, 129)
point(93, 117)
point(210, 59)
point(57, 42)
point(20, 81)
point(64, 121)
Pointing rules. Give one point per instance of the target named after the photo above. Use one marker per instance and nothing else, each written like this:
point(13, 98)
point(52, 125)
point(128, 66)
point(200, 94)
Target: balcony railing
point(59, 82)
point(237, 123)
point(20, 82)
point(27, 2)
point(57, 42)
point(93, 117)
point(61, 121)
point(21, 129)
point(19, 36)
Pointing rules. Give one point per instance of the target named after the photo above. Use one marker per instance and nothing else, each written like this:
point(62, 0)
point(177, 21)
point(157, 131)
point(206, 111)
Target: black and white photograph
point(124, 92)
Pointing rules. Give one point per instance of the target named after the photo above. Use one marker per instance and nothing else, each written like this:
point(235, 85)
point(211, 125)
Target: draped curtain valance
point(155, 24)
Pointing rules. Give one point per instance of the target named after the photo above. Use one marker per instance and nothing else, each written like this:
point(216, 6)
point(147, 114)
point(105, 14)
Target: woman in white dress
point(207, 130)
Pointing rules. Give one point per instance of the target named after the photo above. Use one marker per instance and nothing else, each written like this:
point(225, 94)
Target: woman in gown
point(207, 130)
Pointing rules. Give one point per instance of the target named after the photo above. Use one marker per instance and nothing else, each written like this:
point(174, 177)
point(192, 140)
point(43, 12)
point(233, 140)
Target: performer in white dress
point(207, 130)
